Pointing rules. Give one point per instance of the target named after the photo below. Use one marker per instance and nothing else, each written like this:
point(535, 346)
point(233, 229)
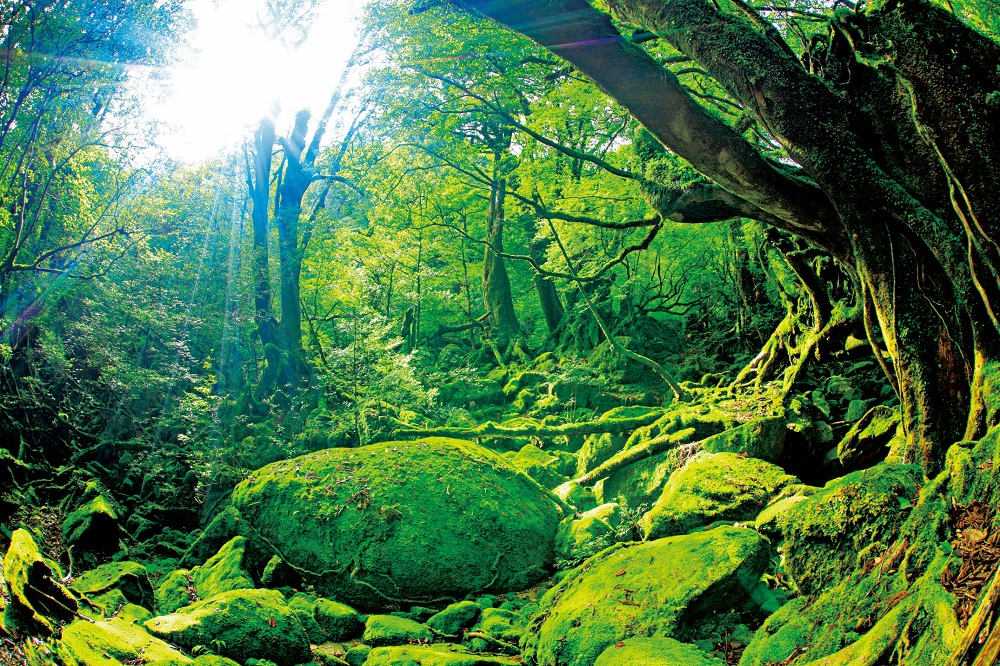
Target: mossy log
point(625, 458)
point(492, 429)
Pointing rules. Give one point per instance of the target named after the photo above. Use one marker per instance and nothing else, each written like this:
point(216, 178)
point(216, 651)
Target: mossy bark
point(896, 132)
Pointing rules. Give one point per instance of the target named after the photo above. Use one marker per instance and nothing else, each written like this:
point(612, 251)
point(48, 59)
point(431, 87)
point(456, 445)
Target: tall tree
point(892, 132)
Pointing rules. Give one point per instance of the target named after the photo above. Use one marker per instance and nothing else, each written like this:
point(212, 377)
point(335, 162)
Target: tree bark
point(497, 295)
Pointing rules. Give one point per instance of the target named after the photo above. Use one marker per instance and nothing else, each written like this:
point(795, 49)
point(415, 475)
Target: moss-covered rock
point(642, 481)
point(381, 630)
point(454, 618)
point(404, 520)
point(241, 624)
point(228, 523)
point(828, 534)
point(224, 571)
point(92, 528)
point(576, 496)
point(357, 655)
point(330, 654)
point(539, 465)
point(176, 590)
point(868, 440)
point(38, 602)
point(130, 578)
point(711, 487)
point(339, 621)
point(655, 652)
point(277, 574)
point(585, 535)
point(113, 643)
point(650, 589)
point(498, 630)
point(430, 655)
point(762, 438)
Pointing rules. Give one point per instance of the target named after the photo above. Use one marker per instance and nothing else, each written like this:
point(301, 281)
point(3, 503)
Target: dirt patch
point(977, 542)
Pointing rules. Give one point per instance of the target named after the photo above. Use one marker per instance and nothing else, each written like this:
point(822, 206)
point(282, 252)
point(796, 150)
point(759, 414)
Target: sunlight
point(234, 73)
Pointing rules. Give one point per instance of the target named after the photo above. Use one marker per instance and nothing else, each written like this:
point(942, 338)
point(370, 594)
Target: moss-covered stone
point(381, 630)
point(498, 630)
point(643, 481)
point(576, 496)
point(655, 652)
point(339, 621)
point(539, 465)
point(113, 643)
point(454, 618)
point(430, 655)
point(828, 534)
point(867, 442)
point(228, 523)
point(92, 528)
point(243, 624)
point(176, 590)
point(711, 487)
point(224, 571)
point(357, 655)
point(762, 438)
point(649, 589)
point(38, 602)
point(586, 535)
point(330, 654)
point(277, 574)
point(404, 520)
point(130, 578)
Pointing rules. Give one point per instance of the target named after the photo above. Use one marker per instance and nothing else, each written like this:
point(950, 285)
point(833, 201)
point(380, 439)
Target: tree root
point(490, 429)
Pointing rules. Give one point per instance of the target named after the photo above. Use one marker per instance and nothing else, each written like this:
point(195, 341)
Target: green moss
point(224, 571)
point(652, 589)
point(712, 487)
point(430, 655)
point(539, 465)
point(498, 623)
point(576, 496)
point(175, 591)
point(414, 520)
point(37, 601)
point(585, 536)
point(383, 630)
point(454, 618)
point(114, 642)
point(339, 621)
point(655, 652)
point(278, 574)
point(853, 517)
point(92, 528)
point(242, 624)
point(868, 439)
point(760, 438)
point(357, 655)
point(128, 577)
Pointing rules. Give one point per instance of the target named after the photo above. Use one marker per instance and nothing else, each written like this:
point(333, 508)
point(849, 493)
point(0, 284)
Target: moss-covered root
point(659, 588)
point(37, 601)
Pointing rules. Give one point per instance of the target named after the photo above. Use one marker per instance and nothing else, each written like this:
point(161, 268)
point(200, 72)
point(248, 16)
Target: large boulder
point(91, 530)
point(762, 438)
point(720, 486)
point(241, 624)
point(648, 589)
point(414, 520)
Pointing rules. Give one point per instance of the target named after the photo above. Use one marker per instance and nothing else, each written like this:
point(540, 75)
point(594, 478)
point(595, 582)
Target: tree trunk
point(896, 134)
point(258, 182)
point(548, 295)
point(497, 295)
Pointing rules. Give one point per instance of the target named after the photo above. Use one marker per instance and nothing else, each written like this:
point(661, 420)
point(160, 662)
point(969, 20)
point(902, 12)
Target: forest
point(564, 333)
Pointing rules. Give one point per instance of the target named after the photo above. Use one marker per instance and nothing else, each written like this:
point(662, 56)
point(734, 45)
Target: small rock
point(383, 630)
point(454, 618)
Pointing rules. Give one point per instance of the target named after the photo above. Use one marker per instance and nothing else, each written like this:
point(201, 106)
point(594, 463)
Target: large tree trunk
point(497, 296)
point(258, 181)
point(548, 295)
point(898, 163)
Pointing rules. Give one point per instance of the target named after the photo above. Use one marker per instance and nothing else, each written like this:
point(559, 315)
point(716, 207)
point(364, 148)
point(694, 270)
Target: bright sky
point(232, 74)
